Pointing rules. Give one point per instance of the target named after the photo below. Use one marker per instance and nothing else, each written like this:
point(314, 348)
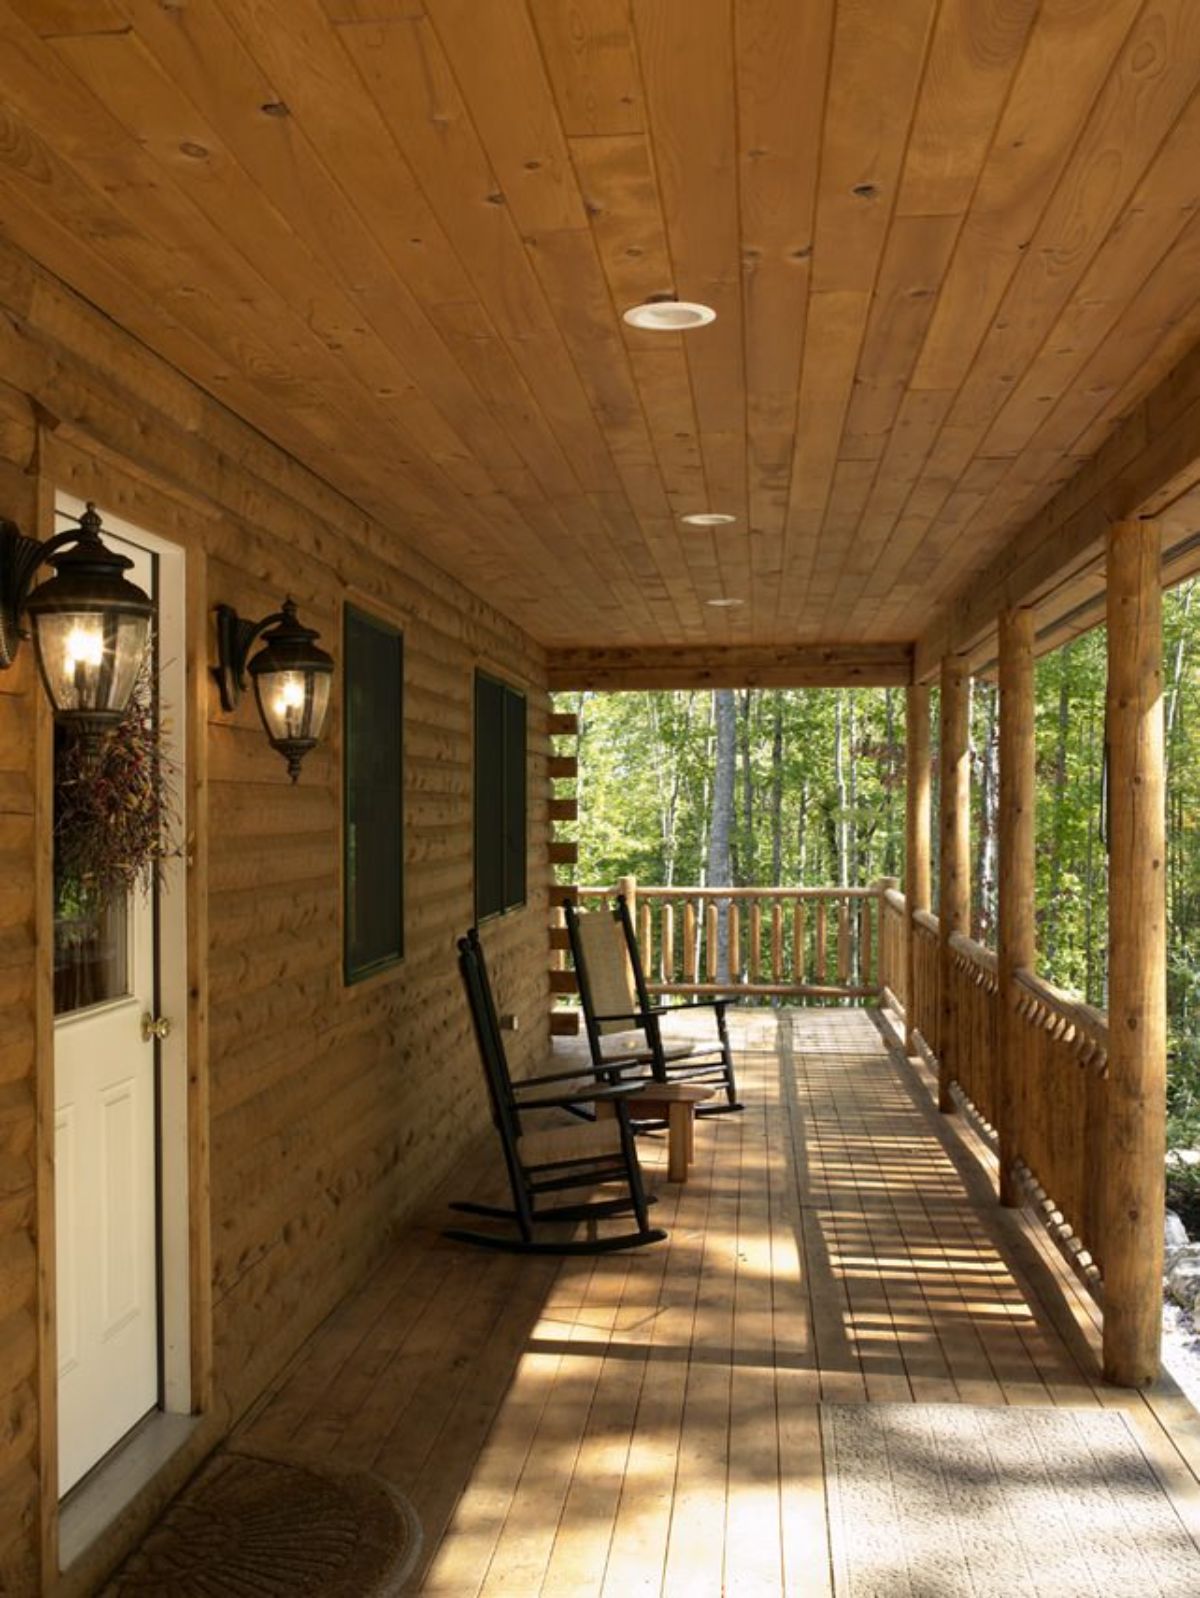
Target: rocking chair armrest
point(718, 1002)
point(653, 1012)
point(594, 1095)
point(582, 1074)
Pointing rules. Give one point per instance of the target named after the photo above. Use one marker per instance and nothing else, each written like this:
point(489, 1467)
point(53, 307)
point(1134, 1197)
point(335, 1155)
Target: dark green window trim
point(500, 797)
point(373, 790)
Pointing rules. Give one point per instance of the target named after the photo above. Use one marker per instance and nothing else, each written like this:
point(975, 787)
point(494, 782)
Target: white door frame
point(172, 1130)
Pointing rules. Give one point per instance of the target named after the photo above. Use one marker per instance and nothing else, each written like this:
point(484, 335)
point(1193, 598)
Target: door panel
point(106, 1164)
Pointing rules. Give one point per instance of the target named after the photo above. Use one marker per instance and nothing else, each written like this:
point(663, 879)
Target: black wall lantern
point(90, 624)
point(292, 677)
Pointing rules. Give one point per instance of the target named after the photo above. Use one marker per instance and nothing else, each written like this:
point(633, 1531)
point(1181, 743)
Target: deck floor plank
point(648, 1423)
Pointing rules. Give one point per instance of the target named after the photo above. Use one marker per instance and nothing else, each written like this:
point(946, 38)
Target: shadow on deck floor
point(648, 1422)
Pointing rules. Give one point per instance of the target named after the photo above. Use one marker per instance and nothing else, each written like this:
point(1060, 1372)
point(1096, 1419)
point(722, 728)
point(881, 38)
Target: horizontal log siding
point(19, 1372)
point(333, 1111)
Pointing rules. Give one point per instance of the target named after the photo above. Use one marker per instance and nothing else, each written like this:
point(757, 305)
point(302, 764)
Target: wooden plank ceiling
point(948, 244)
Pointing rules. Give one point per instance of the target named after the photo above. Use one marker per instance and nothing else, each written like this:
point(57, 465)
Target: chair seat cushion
point(560, 1143)
point(627, 1046)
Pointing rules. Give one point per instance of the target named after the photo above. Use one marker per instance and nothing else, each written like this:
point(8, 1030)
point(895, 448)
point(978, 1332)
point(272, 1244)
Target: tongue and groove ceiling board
point(949, 245)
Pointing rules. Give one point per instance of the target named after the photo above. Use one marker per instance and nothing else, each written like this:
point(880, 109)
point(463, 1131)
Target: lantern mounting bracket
point(20, 558)
point(236, 637)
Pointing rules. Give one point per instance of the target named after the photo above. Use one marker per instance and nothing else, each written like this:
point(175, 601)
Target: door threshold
point(90, 1508)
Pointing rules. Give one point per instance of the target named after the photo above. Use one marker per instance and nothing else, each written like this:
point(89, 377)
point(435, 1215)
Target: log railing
point(975, 1018)
point(1061, 1113)
point(893, 952)
point(924, 1018)
point(1060, 1107)
point(814, 943)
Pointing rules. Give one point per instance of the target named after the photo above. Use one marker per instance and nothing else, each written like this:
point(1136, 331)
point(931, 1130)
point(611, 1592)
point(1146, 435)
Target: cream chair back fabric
point(610, 975)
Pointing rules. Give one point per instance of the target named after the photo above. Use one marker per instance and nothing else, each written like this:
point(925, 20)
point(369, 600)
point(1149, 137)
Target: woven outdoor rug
point(248, 1524)
point(934, 1501)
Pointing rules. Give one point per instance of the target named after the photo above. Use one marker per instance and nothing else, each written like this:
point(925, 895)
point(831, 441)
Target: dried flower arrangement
point(115, 818)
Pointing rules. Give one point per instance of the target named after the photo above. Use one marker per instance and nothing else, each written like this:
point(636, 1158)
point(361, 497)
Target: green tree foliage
point(646, 785)
point(818, 797)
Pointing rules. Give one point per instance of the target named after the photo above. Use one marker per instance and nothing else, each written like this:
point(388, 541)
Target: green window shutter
point(373, 775)
point(500, 797)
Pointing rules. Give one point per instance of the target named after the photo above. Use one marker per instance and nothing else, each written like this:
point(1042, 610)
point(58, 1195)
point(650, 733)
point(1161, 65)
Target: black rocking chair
point(558, 1158)
point(616, 999)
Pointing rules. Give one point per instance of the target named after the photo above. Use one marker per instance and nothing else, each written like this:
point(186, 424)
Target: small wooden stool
point(675, 1103)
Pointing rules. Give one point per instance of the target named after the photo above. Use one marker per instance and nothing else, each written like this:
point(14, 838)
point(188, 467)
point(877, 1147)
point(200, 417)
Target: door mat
point(251, 1524)
point(934, 1501)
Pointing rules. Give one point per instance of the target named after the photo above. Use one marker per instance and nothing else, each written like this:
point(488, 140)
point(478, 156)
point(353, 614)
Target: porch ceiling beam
point(796, 666)
point(1147, 465)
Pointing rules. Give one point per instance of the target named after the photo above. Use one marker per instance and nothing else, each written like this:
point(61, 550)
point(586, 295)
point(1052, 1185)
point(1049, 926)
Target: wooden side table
point(672, 1102)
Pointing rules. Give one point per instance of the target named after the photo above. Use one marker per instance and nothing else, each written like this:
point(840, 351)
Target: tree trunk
point(985, 854)
point(777, 791)
point(721, 825)
point(1060, 794)
point(747, 862)
point(841, 836)
point(891, 847)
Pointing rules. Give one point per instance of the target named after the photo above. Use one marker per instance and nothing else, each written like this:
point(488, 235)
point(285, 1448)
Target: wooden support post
point(628, 886)
point(1132, 1251)
point(954, 905)
point(1016, 934)
point(917, 852)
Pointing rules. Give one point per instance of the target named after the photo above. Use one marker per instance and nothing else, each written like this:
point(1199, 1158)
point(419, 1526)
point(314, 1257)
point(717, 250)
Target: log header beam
point(800, 666)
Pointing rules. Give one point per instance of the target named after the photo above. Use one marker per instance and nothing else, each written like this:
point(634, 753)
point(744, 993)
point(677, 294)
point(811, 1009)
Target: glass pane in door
point(91, 951)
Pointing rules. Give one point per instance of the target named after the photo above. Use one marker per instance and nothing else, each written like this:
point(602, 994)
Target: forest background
point(805, 787)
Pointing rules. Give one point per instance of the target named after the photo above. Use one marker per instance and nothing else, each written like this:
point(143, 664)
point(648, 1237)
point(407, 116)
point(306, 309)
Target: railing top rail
point(713, 891)
point(894, 898)
point(927, 921)
point(976, 953)
point(1093, 1023)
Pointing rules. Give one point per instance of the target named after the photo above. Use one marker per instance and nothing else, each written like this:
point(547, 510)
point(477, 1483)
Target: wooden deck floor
point(648, 1423)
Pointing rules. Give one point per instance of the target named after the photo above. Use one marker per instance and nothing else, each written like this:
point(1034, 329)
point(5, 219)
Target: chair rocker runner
point(616, 999)
point(557, 1159)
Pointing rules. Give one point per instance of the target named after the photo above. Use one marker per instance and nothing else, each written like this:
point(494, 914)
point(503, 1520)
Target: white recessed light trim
point(670, 316)
point(724, 604)
point(709, 518)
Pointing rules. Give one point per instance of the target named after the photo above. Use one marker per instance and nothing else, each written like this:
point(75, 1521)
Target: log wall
point(324, 1114)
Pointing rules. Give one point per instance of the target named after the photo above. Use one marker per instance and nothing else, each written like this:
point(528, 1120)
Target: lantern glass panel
point(90, 659)
point(293, 704)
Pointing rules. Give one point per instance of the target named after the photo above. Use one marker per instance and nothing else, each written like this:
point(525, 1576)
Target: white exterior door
point(106, 1203)
point(108, 1125)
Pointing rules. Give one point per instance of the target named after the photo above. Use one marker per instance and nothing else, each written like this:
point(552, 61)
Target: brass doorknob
point(155, 1026)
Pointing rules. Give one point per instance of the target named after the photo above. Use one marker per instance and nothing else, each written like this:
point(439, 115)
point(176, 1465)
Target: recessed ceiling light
point(724, 604)
point(669, 316)
point(708, 518)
